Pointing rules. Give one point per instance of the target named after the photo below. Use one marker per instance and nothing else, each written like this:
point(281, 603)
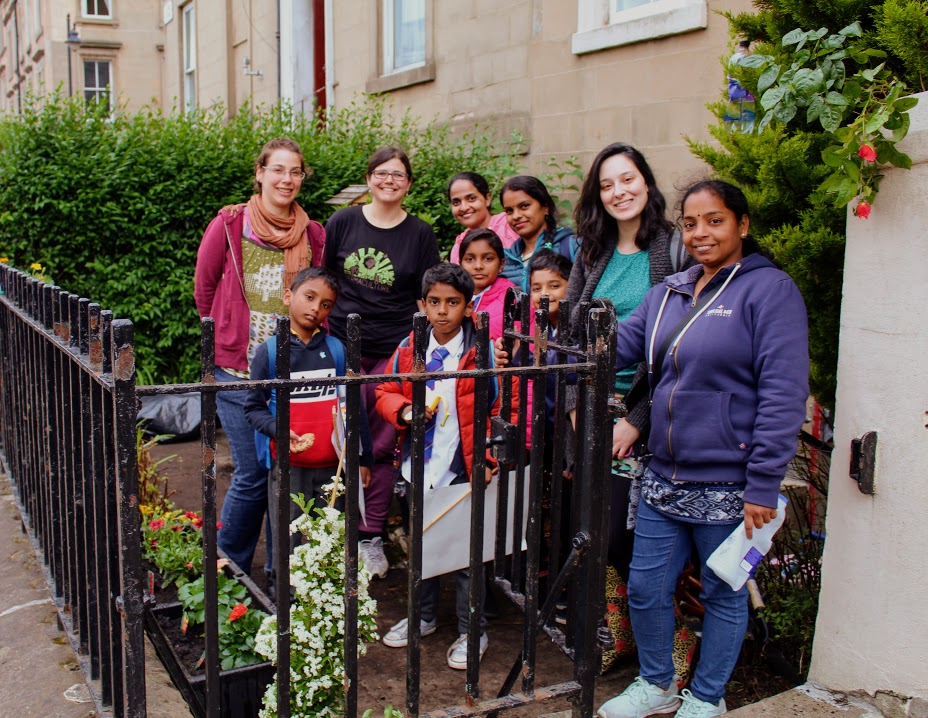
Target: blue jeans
point(662, 547)
point(245, 503)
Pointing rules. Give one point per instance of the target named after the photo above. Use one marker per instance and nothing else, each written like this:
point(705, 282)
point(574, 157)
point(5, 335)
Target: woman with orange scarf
point(249, 254)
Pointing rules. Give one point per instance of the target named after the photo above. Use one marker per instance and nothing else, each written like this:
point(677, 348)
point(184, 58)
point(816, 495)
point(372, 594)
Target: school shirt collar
point(455, 345)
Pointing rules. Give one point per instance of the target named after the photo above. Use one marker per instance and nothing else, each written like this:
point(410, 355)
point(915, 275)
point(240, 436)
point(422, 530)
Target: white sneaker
point(398, 636)
point(457, 654)
point(641, 699)
point(372, 556)
point(694, 708)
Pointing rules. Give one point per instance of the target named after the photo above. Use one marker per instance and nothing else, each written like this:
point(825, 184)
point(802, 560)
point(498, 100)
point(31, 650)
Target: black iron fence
point(69, 403)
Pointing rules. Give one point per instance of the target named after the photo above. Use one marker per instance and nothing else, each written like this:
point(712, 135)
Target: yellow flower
point(36, 267)
point(4, 260)
point(41, 277)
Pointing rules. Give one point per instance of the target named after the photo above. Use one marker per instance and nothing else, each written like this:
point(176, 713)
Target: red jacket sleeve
point(392, 397)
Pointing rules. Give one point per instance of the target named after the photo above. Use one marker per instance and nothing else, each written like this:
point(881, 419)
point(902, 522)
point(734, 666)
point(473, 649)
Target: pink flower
point(237, 612)
point(862, 209)
point(866, 152)
point(156, 524)
point(219, 524)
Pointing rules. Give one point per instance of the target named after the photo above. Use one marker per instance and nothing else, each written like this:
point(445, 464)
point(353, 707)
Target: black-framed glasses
point(383, 174)
point(279, 171)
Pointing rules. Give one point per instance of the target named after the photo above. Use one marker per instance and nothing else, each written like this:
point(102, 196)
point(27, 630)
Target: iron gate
point(69, 403)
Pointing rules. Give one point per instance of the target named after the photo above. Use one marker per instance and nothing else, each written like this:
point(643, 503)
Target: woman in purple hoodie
point(726, 344)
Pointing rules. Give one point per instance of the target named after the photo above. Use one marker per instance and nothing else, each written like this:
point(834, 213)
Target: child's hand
point(502, 358)
point(490, 471)
point(365, 476)
point(407, 414)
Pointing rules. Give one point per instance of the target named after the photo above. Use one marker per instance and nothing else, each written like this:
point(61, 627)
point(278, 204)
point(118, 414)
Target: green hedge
point(115, 206)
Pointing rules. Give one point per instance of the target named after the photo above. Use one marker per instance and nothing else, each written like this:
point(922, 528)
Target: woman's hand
point(624, 436)
point(756, 516)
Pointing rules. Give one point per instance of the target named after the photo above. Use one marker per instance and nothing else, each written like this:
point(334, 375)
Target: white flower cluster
point(317, 619)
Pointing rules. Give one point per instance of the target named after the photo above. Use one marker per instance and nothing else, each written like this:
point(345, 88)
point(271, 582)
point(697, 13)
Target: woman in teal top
point(625, 249)
point(532, 214)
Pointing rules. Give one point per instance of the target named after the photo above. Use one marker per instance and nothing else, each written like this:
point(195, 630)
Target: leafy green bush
point(782, 169)
point(115, 206)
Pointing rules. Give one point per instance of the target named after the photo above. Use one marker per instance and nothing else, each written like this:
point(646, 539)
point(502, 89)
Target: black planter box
point(241, 689)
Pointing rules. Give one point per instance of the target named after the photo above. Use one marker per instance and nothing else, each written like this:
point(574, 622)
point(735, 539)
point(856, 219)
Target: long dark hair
point(735, 201)
point(535, 188)
point(597, 230)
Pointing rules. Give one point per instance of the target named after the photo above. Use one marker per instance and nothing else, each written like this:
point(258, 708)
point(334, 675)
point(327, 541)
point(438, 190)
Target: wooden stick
point(446, 510)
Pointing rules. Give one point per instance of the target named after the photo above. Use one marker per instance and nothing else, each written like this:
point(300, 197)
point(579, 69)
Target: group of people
point(711, 339)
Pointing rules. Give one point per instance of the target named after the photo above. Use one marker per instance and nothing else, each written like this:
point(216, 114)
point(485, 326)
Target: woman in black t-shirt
point(379, 253)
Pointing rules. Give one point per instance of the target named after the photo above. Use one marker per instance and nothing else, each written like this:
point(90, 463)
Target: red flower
point(866, 152)
point(154, 542)
point(621, 591)
point(191, 515)
point(219, 524)
point(862, 209)
point(621, 646)
point(189, 565)
point(198, 522)
point(177, 527)
point(237, 612)
point(611, 608)
point(625, 622)
point(156, 524)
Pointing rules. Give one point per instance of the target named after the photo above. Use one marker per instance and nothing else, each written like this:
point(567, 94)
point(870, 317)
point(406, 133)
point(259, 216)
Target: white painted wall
point(872, 627)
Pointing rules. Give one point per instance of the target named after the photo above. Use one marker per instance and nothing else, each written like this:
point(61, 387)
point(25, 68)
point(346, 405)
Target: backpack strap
point(262, 442)
point(337, 350)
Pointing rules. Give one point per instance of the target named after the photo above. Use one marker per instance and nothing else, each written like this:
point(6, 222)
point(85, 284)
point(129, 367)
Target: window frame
point(384, 77)
point(85, 6)
point(600, 26)
point(188, 53)
point(97, 89)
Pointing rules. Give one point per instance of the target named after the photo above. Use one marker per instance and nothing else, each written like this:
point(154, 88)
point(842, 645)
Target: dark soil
point(382, 677)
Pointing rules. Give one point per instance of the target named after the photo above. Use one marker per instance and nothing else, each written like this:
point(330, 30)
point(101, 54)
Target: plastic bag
point(174, 416)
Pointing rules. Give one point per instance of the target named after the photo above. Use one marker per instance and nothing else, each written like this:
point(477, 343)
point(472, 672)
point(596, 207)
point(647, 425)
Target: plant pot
point(240, 689)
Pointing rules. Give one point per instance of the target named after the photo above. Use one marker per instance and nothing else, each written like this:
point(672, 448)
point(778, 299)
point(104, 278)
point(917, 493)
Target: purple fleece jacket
point(218, 280)
point(731, 396)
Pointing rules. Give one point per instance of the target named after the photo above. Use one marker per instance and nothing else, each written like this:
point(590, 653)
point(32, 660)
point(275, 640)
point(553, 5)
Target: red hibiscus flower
point(866, 152)
point(862, 209)
point(622, 591)
point(611, 608)
point(625, 622)
point(156, 524)
point(237, 612)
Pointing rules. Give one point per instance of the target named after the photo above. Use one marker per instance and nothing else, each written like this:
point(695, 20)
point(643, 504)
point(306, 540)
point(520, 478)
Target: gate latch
point(504, 440)
point(863, 462)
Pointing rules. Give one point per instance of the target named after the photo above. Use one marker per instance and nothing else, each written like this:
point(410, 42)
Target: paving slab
point(809, 701)
point(40, 675)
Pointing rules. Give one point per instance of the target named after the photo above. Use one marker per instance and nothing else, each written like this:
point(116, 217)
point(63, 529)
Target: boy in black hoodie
point(314, 354)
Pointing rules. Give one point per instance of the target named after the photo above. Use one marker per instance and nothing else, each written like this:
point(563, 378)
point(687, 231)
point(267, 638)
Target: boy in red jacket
point(447, 292)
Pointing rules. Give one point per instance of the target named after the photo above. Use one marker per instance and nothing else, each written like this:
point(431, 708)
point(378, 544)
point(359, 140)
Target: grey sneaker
point(694, 708)
point(457, 654)
point(373, 557)
point(398, 636)
point(641, 699)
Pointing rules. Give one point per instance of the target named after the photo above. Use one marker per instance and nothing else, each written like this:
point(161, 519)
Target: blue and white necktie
point(435, 363)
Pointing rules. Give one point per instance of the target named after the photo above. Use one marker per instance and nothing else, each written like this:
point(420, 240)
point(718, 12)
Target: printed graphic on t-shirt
point(371, 268)
point(311, 393)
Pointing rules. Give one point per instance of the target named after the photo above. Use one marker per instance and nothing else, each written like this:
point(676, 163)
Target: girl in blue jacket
point(726, 344)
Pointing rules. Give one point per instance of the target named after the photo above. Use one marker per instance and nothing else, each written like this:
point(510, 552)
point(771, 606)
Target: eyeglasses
point(398, 177)
point(279, 171)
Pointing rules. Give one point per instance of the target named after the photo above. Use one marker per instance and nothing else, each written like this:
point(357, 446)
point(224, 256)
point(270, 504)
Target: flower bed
point(241, 688)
